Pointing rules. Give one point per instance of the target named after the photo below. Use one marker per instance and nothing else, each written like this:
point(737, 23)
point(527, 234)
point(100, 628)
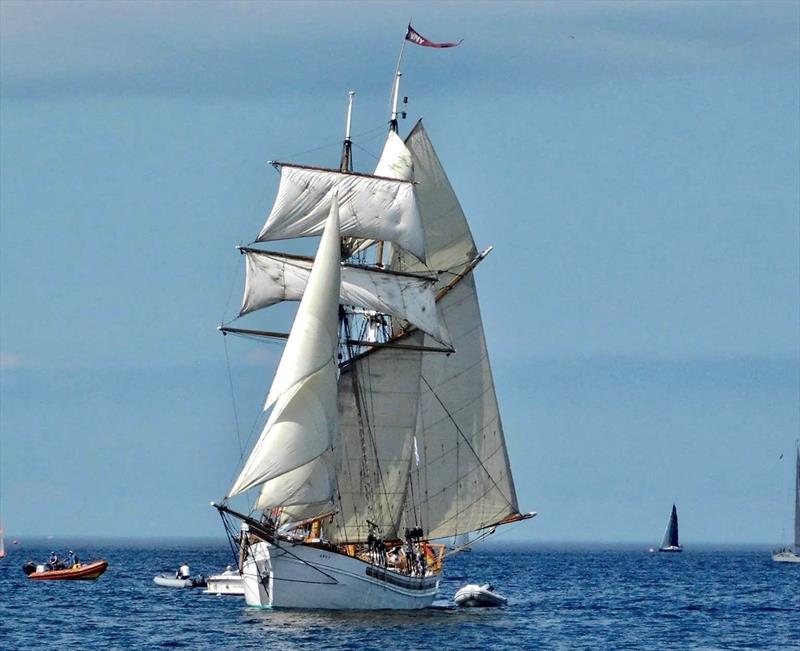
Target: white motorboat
point(229, 582)
point(169, 581)
point(479, 595)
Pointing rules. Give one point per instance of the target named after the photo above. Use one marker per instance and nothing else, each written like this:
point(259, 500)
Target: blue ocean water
point(559, 598)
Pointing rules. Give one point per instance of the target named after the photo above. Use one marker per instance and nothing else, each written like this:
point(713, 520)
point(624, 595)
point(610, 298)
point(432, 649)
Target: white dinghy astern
point(474, 595)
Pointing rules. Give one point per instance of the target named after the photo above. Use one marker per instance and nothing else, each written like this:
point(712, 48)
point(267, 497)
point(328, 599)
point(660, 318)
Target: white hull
point(785, 556)
point(225, 583)
point(671, 548)
point(302, 576)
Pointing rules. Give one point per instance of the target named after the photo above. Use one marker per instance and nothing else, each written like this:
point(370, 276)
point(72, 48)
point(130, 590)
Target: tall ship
point(384, 439)
point(792, 554)
point(670, 542)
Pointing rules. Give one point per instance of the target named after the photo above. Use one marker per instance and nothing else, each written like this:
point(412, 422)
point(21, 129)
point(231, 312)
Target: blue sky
point(634, 165)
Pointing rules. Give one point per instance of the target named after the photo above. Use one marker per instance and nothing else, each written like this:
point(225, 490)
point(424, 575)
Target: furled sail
point(370, 207)
point(274, 277)
point(463, 480)
point(378, 402)
point(304, 418)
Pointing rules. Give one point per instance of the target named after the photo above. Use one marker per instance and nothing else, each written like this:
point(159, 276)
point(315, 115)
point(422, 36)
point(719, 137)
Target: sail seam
point(472, 449)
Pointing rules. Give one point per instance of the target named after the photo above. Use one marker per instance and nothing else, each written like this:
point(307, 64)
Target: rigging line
point(233, 400)
point(362, 395)
point(231, 533)
point(466, 440)
point(366, 151)
point(230, 291)
point(381, 478)
point(338, 143)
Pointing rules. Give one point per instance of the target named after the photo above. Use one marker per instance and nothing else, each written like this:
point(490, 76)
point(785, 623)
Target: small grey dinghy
point(473, 595)
point(169, 581)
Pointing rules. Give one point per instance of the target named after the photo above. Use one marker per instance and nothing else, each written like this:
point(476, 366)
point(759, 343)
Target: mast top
point(347, 147)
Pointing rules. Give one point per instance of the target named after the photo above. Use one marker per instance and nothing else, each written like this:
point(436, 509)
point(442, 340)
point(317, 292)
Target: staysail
point(304, 419)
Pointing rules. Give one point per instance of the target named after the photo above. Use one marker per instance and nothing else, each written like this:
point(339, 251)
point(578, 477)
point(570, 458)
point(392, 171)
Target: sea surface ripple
point(559, 598)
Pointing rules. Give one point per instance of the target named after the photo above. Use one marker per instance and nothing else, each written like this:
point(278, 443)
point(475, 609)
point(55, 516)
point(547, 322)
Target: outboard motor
point(29, 568)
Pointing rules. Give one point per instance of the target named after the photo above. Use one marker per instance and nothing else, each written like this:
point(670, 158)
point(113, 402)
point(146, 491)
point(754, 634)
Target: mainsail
point(448, 453)
point(463, 480)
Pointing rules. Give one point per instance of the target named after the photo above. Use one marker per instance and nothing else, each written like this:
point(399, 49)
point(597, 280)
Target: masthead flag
point(415, 37)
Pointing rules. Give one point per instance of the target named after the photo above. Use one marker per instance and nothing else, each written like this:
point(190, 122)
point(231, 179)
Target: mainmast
point(396, 91)
point(347, 147)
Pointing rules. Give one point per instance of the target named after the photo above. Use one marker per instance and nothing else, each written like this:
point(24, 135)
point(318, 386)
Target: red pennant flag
point(415, 37)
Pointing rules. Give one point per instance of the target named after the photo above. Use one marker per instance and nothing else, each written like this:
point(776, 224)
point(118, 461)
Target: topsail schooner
point(385, 433)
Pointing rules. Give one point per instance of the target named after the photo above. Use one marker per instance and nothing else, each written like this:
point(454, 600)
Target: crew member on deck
point(183, 572)
point(72, 559)
point(53, 562)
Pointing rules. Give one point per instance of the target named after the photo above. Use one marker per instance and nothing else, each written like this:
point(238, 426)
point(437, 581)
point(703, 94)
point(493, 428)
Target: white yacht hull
point(225, 583)
point(303, 576)
point(785, 556)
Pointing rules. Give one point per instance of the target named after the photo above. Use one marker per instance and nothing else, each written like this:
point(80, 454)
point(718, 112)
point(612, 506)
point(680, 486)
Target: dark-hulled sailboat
point(670, 541)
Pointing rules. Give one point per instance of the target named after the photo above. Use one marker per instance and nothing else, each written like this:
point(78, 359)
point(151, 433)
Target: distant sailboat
point(461, 543)
point(2, 542)
point(792, 555)
point(670, 541)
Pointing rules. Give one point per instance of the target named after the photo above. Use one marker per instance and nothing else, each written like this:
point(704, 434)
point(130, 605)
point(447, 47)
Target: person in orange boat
point(73, 560)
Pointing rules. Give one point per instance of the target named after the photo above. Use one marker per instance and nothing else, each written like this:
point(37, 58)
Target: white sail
point(304, 418)
point(370, 207)
point(797, 504)
point(463, 481)
point(309, 484)
point(378, 401)
point(272, 277)
point(396, 161)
